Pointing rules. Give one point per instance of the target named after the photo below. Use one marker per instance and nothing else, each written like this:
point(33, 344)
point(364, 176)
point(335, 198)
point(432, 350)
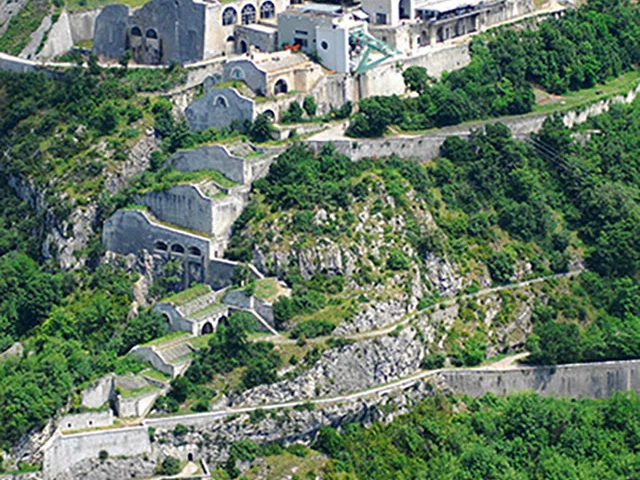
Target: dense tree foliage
point(517, 437)
point(582, 48)
point(229, 349)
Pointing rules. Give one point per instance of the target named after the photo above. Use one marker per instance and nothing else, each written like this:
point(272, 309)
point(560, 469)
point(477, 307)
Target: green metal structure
point(370, 44)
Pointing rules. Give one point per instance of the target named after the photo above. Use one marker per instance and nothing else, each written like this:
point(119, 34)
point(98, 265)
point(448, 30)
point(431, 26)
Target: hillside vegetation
point(579, 50)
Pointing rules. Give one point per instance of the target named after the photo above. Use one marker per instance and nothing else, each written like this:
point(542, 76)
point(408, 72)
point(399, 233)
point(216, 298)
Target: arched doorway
point(190, 457)
point(207, 328)
point(243, 46)
point(280, 87)
point(223, 320)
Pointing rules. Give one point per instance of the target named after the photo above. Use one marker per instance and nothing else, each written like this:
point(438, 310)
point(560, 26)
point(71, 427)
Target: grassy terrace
point(185, 296)
point(138, 392)
point(203, 312)
point(174, 177)
point(266, 288)
point(571, 100)
point(156, 375)
point(80, 5)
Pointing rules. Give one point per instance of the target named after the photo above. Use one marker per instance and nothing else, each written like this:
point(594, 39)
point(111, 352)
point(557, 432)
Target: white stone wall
point(79, 421)
point(63, 451)
point(99, 393)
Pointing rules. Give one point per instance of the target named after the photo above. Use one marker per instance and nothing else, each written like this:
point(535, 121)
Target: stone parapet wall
point(427, 147)
point(79, 421)
point(63, 451)
point(587, 380)
point(99, 393)
point(211, 157)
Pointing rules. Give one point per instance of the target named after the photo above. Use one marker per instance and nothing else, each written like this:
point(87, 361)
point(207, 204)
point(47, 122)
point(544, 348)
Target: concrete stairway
point(176, 353)
point(197, 304)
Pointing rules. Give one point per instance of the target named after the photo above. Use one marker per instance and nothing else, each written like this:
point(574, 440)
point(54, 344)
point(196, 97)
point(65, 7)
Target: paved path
point(452, 301)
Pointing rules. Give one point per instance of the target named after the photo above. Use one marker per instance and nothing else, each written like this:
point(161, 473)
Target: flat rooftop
point(442, 6)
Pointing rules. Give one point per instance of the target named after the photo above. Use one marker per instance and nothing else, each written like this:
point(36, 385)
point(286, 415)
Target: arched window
point(177, 248)
point(221, 102)
point(229, 16)
point(195, 250)
point(280, 87)
point(161, 246)
point(267, 10)
point(207, 328)
point(151, 33)
point(136, 32)
point(248, 14)
point(270, 114)
point(237, 73)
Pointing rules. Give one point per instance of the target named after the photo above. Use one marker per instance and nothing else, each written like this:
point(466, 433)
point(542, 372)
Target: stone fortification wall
point(596, 380)
point(182, 205)
point(211, 157)
point(62, 451)
point(264, 309)
point(136, 407)
point(224, 213)
point(219, 273)
point(386, 78)
point(79, 421)
point(110, 31)
point(176, 322)
point(10, 63)
point(82, 25)
point(99, 393)
point(59, 39)
point(218, 108)
point(427, 147)
point(149, 354)
point(238, 298)
point(129, 231)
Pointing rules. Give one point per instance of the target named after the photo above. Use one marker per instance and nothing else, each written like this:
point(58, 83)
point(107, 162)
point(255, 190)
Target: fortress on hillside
point(185, 31)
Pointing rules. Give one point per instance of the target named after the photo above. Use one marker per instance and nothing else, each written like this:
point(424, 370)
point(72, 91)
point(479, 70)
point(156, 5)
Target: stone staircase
point(196, 304)
point(176, 353)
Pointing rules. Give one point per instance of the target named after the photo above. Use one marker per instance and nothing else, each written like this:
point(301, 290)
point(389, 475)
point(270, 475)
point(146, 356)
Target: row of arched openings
point(150, 33)
point(248, 14)
point(161, 246)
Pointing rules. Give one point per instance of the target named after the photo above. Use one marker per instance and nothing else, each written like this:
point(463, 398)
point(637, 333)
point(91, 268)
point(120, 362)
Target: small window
point(301, 32)
point(267, 10)
point(151, 33)
point(229, 16)
point(177, 248)
point(324, 45)
point(381, 18)
point(221, 102)
point(68, 425)
point(136, 32)
point(195, 250)
point(90, 422)
point(248, 14)
point(161, 246)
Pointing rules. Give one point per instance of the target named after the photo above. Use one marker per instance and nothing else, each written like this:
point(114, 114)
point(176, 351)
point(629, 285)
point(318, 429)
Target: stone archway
point(223, 320)
point(243, 46)
point(207, 328)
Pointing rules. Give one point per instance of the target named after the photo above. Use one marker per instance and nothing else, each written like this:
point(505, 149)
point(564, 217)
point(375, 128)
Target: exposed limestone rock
point(347, 369)
point(70, 236)
point(15, 350)
point(442, 275)
point(137, 161)
point(371, 317)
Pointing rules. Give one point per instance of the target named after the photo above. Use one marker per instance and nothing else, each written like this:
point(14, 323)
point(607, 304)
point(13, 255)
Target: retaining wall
point(79, 421)
point(99, 393)
point(211, 157)
point(137, 406)
point(427, 147)
point(63, 451)
point(590, 380)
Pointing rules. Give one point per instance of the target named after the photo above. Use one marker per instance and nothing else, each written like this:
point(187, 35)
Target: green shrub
point(170, 466)
point(312, 329)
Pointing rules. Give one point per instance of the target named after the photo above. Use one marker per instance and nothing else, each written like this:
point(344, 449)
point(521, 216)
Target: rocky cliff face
point(67, 236)
point(347, 369)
